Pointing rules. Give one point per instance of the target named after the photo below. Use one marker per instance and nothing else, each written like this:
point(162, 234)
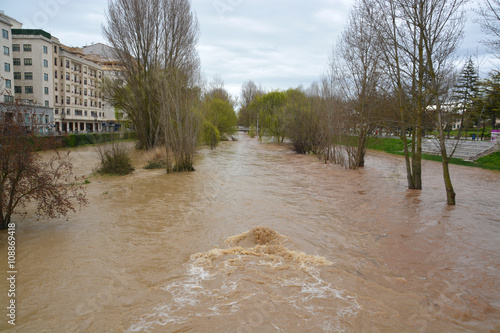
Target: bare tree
point(26, 176)
point(180, 94)
point(135, 31)
point(356, 63)
point(156, 43)
point(247, 115)
point(441, 24)
point(417, 39)
point(489, 12)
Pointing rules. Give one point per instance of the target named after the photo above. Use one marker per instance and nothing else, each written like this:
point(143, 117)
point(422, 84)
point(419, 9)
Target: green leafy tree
point(221, 114)
point(210, 135)
point(489, 101)
point(247, 115)
point(465, 94)
point(272, 114)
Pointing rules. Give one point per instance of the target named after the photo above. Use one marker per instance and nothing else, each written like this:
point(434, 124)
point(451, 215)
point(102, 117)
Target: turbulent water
point(259, 239)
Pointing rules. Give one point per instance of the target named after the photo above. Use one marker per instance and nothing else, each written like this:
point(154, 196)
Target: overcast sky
point(276, 43)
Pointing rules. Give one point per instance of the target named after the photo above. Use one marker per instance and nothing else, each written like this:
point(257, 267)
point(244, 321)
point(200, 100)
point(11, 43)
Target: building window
point(46, 90)
point(6, 66)
point(55, 49)
point(17, 75)
point(18, 89)
point(8, 84)
point(78, 112)
point(56, 110)
point(68, 100)
point(68, 111)
point(17, 61)
point(67, 63)
point(57, 99)
point(5, 34)
point(46, 103)
point(55, 61)
point(67, 76)
point(85, 81)
point(28, 89)
point(16, 47)
point(45, 63)
point(28, 76)
point(45, 49)
point(45, 76)
point(27, 47)
point(28, 62)
point(8, 99)
point(6, 50)
point(55, 74)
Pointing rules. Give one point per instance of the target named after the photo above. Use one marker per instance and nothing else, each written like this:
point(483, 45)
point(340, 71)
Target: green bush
point(252, 132)
point(210, 135)
point(115, 160)
point(156, 164)
point(74, 140)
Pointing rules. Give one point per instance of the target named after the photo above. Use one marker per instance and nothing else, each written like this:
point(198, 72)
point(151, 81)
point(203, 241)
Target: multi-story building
point(77, 92)
point(43, 73)
point(31, 55)
point(58, 77)
point(6, 68)
point(112, 70)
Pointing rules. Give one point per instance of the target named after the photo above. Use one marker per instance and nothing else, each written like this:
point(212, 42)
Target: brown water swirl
point(259, 239)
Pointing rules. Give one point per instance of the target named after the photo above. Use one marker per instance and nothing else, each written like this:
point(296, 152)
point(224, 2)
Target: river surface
point(259, 239)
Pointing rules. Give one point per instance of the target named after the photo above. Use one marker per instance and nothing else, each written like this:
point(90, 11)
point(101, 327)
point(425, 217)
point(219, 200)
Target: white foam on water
point(231, 282)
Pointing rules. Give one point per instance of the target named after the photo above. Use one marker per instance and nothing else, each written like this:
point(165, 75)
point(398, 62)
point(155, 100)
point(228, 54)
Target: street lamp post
point(96, 123)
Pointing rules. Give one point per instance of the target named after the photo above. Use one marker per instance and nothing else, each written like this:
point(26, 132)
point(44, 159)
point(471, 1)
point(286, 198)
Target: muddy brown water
point(259, 239)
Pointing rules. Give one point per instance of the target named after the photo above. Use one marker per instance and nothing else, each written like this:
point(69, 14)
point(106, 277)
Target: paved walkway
point(466, 149)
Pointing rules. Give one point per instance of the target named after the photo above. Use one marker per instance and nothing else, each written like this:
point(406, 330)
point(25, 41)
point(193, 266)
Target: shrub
point(156, 164)
point(210, 135)
point(252, 132)
point(74, 140)
point(115, 160)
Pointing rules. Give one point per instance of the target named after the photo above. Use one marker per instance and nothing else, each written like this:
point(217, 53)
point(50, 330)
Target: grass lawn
point(395, 146)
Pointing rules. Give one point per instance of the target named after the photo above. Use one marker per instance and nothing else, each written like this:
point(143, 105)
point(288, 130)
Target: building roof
point(34, 32)
point(102, 50)
point(9, 20)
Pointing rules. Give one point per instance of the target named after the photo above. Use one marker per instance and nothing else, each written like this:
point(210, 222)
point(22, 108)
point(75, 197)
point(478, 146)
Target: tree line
point(393, 69)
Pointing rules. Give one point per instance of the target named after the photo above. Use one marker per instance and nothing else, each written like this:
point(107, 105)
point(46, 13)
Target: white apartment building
point(78, 100)
point(6, 68)
point(55, 79)
point(58, 77)
point(111, 69)
point(31, 57)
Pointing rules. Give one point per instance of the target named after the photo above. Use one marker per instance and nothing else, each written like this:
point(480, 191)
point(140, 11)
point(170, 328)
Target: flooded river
point(260, 239)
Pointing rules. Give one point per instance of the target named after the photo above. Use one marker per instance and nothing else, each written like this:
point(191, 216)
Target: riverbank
point(395, 146)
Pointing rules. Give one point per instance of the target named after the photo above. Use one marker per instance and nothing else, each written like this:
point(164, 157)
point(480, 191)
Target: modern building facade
point(78, 103)
point(6, 64)
point(39, 71)
point(111, 69)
